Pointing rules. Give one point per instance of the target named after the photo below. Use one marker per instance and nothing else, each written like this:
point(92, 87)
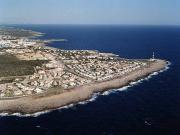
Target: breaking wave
point(131, 84)
point(93, 98)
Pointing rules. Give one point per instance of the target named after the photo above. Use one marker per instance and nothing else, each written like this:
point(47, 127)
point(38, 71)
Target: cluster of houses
point(65, 68)
point(96, 69)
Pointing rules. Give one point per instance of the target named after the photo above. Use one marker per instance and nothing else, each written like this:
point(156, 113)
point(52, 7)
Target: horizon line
point(89, 24)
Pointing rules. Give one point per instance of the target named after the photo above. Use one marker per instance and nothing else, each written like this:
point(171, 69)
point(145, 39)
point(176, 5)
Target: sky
point(151, 12)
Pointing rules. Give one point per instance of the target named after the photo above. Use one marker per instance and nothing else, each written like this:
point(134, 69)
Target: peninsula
point(35, 77)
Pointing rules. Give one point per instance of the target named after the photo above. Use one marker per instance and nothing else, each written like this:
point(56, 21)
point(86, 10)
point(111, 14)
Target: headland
point(35, 77)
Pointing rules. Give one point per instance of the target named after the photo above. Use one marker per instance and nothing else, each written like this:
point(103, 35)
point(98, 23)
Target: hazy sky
point(166, 12)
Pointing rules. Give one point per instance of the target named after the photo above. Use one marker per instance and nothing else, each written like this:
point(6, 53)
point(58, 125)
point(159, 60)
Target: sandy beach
point(34, 104)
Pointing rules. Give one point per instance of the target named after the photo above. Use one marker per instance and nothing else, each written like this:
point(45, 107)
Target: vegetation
point(11, 66)
point(18, 32)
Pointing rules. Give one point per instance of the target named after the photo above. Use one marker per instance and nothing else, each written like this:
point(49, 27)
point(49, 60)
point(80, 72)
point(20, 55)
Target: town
point(51, 68)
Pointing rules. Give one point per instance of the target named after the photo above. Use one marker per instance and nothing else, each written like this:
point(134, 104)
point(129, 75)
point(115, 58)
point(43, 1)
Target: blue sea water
point(151, 107)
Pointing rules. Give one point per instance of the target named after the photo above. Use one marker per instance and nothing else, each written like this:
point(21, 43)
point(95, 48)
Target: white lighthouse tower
point(153, 57)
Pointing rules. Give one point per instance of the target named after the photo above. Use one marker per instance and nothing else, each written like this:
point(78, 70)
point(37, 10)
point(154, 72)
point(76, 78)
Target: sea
point(150, 106)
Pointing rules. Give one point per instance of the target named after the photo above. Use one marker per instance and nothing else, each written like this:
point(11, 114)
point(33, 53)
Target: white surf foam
point(3, 114)
point(25, 115)
point(137, 82)
point(93, 98)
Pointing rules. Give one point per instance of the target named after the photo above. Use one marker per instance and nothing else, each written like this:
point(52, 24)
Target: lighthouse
point(153, 57)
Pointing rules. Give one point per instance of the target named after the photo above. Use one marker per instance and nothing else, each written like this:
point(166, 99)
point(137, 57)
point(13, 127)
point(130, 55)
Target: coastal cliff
point(35, 103)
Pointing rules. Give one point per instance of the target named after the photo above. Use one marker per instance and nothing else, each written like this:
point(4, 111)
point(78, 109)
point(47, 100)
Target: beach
point(35, 103)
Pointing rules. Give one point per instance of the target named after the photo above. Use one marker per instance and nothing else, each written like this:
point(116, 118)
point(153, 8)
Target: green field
point(11, 66)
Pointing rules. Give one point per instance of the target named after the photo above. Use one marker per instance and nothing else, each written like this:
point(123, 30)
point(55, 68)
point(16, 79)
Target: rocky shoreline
point(33, 104)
